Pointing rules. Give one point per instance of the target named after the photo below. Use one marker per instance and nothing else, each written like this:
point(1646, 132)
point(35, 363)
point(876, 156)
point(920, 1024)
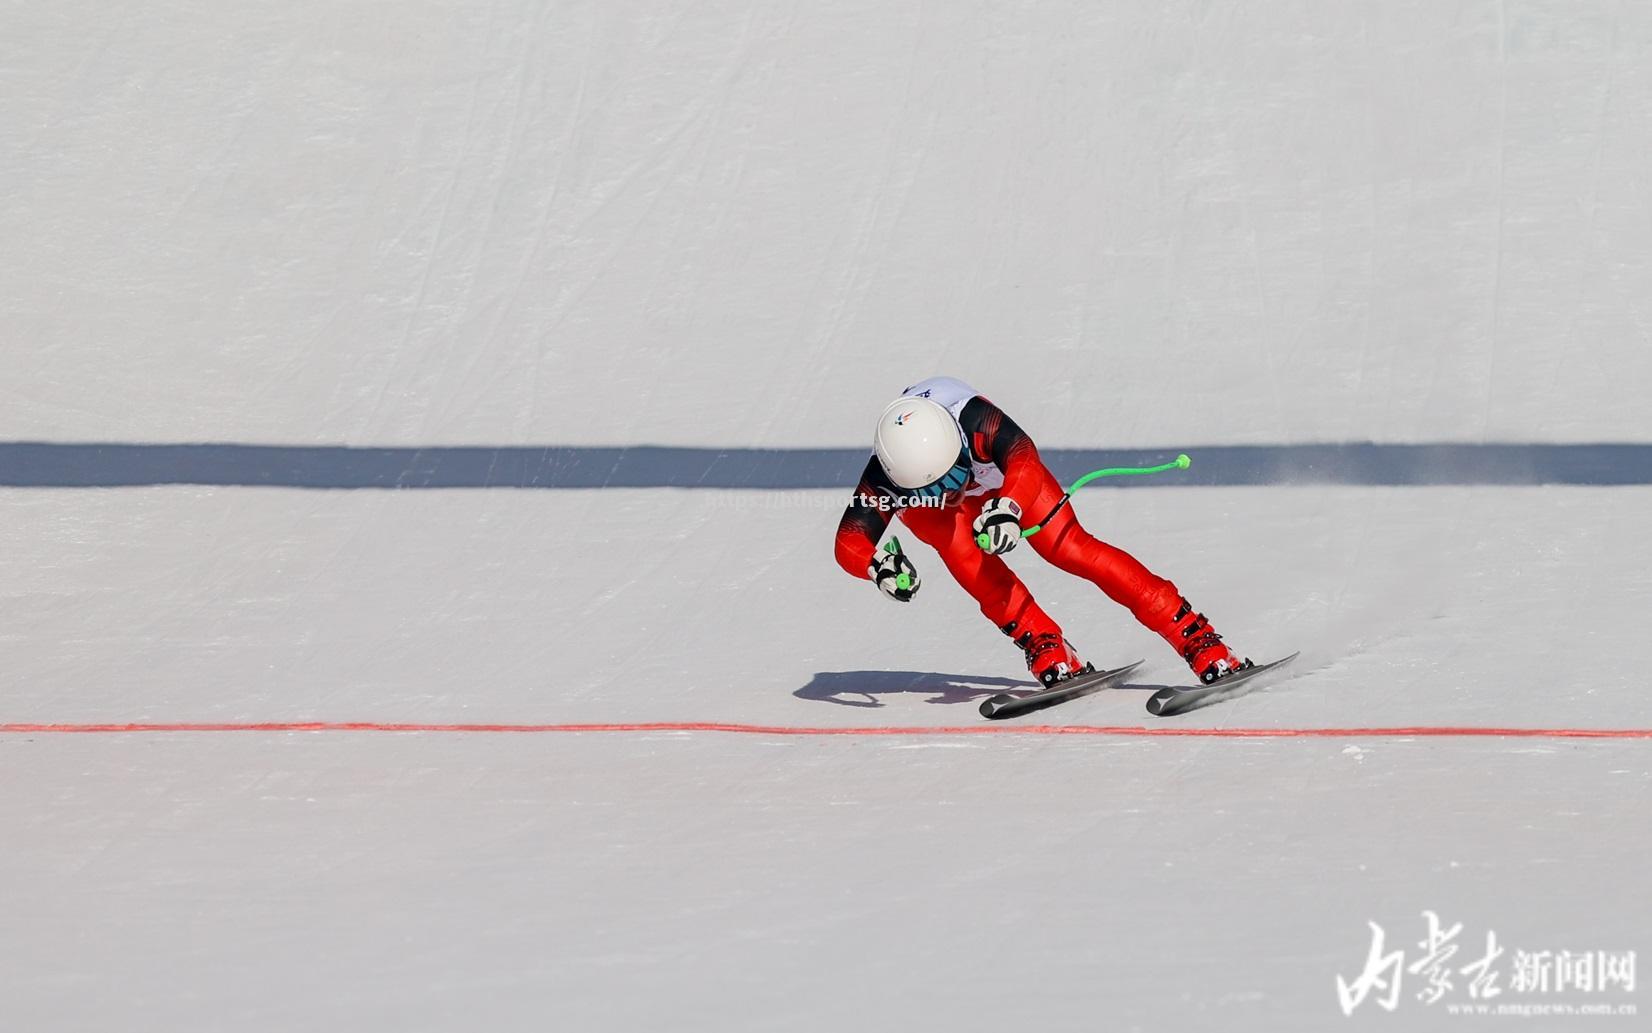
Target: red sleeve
point(1024, 477)
point(862, 525)
point(997, 439)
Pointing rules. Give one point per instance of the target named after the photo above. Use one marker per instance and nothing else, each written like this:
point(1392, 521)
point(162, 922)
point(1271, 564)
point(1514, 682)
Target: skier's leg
point(1151, 599)
point(1002, 596)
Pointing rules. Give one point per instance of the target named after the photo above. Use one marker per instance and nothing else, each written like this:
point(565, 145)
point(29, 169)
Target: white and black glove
point(895, 576)
point(998, 528)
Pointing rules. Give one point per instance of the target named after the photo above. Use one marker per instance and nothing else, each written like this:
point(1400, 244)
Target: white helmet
point(921, 446)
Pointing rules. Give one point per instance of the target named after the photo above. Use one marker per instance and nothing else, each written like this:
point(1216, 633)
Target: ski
point(1005, 705)
point(1176, 700)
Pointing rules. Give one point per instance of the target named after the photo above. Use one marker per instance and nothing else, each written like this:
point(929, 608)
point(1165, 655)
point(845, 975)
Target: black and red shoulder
point(993, 436)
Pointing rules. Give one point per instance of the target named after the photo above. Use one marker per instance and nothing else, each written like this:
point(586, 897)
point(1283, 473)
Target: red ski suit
point(995, 439)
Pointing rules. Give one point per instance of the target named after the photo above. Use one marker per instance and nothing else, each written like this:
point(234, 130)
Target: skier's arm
point(862, 525)
point(993, 435)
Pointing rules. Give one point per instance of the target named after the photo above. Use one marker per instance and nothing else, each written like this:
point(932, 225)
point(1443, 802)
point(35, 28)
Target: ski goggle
point(952, 480)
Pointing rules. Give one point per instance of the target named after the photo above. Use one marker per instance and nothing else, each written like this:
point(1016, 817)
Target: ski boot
point(1050, 657)
point(1201, 646)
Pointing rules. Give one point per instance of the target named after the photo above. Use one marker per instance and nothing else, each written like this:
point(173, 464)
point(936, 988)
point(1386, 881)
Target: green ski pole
point(1181, 462)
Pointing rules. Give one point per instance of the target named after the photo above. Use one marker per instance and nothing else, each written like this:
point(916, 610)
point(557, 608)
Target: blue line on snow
point(27, 464)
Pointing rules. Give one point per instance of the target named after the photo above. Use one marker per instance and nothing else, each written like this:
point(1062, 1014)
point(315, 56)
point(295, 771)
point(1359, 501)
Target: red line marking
point(1173, 731)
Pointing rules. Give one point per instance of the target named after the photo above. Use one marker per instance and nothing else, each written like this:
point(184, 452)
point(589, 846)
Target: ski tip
point(1006, 705)
point(990, 707)
point(1171, 701)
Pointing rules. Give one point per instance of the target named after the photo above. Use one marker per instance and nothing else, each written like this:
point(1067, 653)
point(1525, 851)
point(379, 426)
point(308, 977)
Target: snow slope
point(1137, 225)
point(324, 222)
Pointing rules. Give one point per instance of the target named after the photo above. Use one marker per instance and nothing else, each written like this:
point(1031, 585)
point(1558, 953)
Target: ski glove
point(998, 528)
point(895, 576)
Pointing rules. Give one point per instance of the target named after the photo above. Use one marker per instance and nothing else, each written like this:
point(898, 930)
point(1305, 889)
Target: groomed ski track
point(423, 426)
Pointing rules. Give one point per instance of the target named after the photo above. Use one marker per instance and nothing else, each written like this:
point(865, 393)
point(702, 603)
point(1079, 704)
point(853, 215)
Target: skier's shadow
point(863, 688)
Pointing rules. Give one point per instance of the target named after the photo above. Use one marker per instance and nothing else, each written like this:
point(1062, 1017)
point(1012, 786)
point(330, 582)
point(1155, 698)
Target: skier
point(962, 475)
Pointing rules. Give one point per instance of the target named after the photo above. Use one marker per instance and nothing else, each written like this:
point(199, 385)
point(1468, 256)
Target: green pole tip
point(903, 581)
point(1183, 461)
point(982, 540)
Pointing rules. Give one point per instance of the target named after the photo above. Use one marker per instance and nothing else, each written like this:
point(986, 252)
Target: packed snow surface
point(741, 225)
